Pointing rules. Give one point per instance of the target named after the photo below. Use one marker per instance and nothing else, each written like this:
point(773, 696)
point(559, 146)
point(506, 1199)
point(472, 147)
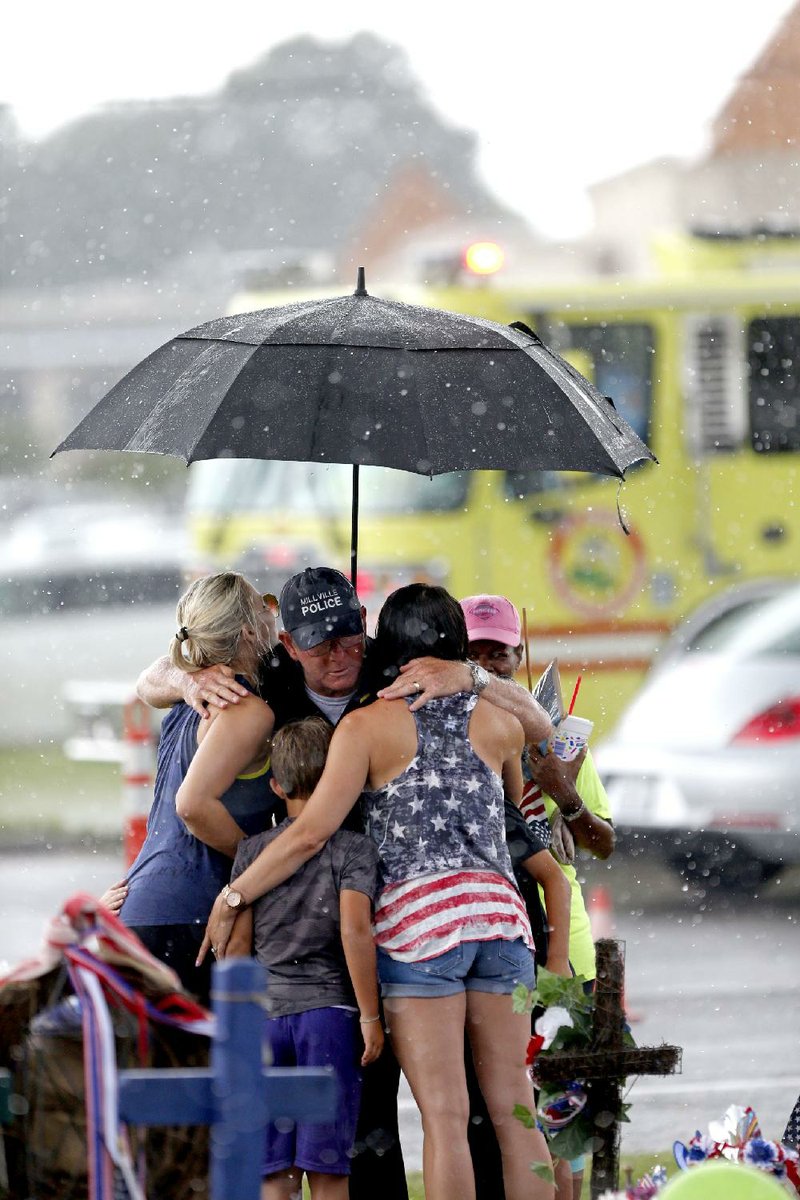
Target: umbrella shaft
point(354, 529)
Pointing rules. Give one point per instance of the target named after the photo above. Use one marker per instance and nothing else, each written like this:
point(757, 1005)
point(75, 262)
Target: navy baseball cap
point(318, 604)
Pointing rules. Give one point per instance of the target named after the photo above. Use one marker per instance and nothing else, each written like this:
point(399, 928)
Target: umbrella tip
point(361, 283)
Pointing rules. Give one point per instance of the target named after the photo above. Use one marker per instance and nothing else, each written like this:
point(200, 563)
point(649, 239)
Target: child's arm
point(557, 903)
point(355, 909)
point(240, 944)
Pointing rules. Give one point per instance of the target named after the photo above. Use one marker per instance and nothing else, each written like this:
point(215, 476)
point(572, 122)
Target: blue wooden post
point(6, 1091)
point(236, 1096)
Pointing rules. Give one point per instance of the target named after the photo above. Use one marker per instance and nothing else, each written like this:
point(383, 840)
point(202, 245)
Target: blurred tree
point(289, 157)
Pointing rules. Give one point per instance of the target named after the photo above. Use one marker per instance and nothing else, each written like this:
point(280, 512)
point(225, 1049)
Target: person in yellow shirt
point(566, 801)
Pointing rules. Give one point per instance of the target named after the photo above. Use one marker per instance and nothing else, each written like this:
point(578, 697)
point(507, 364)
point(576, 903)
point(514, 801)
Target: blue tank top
point(175, 878)
point(445, 812)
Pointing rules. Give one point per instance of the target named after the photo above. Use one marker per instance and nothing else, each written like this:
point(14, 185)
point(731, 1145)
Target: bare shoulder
point(499, 723)
point(251, 715)
point(373, 715)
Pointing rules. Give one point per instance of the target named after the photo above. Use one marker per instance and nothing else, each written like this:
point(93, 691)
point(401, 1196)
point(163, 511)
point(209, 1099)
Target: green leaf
point(573, 1140)
point(544, 1171)
point(521, 998)
point(525, 1115)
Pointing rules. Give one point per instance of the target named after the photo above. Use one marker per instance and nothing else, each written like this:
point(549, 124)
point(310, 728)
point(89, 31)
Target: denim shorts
point(496, 965)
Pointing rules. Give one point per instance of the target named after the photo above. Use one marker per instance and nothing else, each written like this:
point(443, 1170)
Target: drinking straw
point(574, 695)
point(527, 655)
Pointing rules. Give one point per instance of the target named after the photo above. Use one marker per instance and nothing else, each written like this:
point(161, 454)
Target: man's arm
point(557, 779)
point(162, 684)
point(437, 677)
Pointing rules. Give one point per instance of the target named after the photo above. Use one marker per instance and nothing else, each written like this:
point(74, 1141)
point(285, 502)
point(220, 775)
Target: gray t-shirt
point(296, 928)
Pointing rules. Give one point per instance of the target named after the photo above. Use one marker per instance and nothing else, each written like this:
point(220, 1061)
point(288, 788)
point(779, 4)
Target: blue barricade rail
point(236, 1095)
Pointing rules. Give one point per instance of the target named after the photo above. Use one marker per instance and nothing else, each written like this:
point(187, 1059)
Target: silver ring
point(417, 686)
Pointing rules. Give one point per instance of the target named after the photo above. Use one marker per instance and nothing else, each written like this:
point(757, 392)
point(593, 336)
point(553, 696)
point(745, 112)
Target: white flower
point(549, 1023)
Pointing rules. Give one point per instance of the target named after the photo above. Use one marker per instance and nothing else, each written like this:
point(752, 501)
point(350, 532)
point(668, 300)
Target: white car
point(704, 765)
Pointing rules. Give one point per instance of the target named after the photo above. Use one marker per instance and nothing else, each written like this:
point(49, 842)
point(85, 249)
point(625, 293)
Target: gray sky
point(561, 94)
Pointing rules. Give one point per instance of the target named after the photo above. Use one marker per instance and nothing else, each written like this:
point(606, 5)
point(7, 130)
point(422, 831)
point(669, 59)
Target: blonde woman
point(211, 780)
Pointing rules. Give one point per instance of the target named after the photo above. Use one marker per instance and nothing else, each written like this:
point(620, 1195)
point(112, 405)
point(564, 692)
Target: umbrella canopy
point(362, 380)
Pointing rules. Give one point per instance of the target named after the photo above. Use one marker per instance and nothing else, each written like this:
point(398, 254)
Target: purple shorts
point(321, 1037)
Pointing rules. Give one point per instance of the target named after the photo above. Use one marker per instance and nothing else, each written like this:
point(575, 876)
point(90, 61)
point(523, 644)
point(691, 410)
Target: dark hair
point(418, 621)
point(299, 751)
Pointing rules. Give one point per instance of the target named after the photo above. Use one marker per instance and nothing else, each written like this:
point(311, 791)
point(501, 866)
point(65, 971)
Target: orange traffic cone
point(601, 913)
point(601, 922)
point(138, 775)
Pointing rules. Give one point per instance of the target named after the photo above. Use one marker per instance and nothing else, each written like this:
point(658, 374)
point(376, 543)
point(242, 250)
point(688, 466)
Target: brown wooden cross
point(605, 1064)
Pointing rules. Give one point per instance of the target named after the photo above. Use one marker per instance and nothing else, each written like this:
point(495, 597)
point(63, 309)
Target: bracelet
point(573, 816)
point(369, 1020)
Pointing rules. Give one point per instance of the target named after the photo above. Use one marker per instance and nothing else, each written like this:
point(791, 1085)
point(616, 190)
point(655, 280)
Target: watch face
point(233, 899)
point(480, 677)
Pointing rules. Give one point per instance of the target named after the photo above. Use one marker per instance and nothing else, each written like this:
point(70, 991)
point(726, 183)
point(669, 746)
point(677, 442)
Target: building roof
point(763, 110)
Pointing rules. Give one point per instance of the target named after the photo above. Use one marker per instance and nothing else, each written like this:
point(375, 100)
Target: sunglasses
point(326, 648)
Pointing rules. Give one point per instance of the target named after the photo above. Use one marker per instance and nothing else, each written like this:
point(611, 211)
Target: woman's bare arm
point(236, 738)
point(342, 782)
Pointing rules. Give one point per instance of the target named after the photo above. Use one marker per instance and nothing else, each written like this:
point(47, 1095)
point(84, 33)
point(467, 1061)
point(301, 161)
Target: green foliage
point(553, 991)
point(543, 1171)
point(573, 1140)
point(524, 1114)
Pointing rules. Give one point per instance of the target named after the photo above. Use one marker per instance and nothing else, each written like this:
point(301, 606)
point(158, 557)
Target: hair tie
point(182, 634)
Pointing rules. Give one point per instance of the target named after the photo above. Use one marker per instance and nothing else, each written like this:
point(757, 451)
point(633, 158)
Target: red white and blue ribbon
point(94, 943)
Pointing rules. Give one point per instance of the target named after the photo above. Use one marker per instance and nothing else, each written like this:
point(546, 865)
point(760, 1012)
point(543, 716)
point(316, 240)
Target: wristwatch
point(480, 677)
point(234, 899)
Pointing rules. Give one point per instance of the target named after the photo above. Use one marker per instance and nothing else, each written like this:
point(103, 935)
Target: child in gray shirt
point(314, 934)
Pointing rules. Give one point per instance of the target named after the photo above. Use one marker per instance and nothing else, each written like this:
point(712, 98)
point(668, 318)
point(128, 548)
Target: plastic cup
point(570, 737)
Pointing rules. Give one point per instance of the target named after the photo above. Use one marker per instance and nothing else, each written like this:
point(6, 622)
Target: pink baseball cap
point(492, 619)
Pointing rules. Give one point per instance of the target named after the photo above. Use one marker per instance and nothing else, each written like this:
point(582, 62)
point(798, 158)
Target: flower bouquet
point(737, 1137)
point(564, 1024)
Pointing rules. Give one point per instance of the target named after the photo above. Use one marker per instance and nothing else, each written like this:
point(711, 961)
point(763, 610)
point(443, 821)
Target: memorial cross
point(605, 1064)
point(236, 1096)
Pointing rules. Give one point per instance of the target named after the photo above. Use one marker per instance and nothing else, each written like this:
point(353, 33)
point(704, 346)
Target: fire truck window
point(774, 383)
point(621, 357)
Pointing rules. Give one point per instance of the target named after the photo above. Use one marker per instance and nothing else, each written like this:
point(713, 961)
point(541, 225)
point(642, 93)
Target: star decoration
point(473, 785)
point(451, 803)
point(398, 831)
point(432, 780)
point(494, 809)
point(473, 829)
point(415, 805)
point(439, 823)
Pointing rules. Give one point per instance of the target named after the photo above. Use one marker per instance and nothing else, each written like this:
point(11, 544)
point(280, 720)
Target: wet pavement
point(719, 979)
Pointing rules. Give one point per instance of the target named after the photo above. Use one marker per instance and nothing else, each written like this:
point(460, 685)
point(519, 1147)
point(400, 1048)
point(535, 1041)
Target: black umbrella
point(365, 381)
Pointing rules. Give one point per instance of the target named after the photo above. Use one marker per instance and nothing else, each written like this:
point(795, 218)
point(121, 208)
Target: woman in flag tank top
point(452, 931)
